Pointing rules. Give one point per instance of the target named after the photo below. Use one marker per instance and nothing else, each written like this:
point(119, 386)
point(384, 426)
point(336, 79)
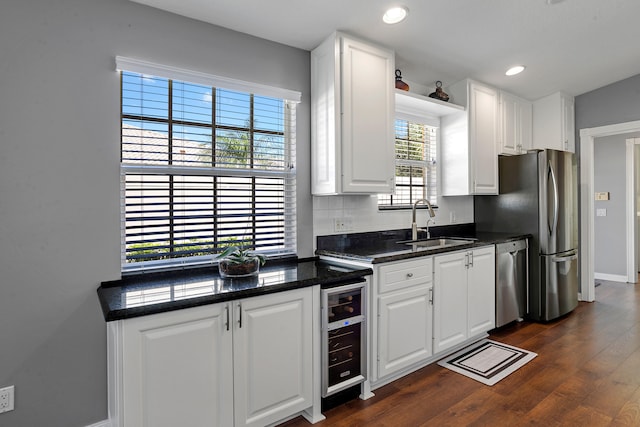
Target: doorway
point(634, 197)
point(587, 204)
point(633, 174)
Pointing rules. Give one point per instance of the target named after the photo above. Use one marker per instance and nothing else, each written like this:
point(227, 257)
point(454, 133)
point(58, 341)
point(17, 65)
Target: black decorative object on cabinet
point(439, 93)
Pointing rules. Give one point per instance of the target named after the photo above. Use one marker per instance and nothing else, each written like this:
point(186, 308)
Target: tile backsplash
point(359, 213)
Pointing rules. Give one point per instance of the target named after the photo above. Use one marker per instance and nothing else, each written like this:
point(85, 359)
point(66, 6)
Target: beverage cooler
point(343, 337)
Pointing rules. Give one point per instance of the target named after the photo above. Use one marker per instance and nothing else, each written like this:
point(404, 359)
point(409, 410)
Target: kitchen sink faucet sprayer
point(414, 226)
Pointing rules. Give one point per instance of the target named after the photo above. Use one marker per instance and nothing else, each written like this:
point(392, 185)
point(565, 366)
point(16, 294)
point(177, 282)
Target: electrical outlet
point(342, 224)
point(452, 217)
point(6, 399)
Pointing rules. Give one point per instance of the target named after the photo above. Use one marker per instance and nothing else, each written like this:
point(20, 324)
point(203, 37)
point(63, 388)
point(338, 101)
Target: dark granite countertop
point(151, 293)
point(385, 246)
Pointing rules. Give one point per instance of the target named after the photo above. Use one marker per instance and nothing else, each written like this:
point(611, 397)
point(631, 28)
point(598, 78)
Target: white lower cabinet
point(481, 291)
point(450, 300)
point(421, 308)
point(272, 349)
point(240, 363)
point(404, 329)
point(175, 367)
point(464, 296)
point(403, 332)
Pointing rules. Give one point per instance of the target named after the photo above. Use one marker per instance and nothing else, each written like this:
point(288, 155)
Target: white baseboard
point(104, 423)
point(610, 277)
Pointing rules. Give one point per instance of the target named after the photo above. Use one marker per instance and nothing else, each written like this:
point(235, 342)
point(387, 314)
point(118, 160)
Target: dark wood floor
point(587, 373)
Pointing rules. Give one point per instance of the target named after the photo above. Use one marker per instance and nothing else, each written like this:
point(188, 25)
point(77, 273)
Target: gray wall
point(59, 180)
point(610, 230)
point(616, 103)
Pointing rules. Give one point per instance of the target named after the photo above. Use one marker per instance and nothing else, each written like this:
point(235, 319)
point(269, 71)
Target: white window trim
point(183, 74)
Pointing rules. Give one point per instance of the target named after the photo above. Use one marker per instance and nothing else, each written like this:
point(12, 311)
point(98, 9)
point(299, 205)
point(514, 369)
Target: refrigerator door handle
point(556, 202)
point(564, 258)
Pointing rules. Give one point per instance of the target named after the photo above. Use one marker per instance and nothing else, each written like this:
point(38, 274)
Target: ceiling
point(574, 45)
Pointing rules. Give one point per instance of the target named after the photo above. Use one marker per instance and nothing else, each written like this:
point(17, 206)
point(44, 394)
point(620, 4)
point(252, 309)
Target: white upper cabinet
point(469, 141)
point(352, 117)
point(515, 124)
point(554, 122)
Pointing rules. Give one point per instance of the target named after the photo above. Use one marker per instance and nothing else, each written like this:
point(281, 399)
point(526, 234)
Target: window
point(415, 165)
point(203, 167)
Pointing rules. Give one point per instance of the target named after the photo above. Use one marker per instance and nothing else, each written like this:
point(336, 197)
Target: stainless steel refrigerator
point(539, 196)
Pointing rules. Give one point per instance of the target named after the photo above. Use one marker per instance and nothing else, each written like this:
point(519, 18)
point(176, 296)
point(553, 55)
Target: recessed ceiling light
point(515, 70)
point(395, 15)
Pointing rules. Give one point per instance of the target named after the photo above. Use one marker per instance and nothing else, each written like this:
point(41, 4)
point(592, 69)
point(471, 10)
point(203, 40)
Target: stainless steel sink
point(442, 242)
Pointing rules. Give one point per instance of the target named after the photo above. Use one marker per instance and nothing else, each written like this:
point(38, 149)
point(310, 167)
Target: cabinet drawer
point(405, 274)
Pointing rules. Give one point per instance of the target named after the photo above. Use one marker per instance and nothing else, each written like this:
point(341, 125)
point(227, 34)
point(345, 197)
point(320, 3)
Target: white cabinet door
point(464, 296)
point(481, 290)
point(368, 106)
point(554, 122)
point(509, 112)
point(177, 366)
point(469, 149)
point(483, 133)
point(449, 300)
point(352, 114)
point(515, 124)
point(404, 329)
point(272, 345)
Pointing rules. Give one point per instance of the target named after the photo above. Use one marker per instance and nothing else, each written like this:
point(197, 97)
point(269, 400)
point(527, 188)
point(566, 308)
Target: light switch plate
point(601, 212)
point(602, 195)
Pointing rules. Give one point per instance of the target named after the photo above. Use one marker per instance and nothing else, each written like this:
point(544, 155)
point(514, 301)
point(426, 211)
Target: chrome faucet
point(414, 226)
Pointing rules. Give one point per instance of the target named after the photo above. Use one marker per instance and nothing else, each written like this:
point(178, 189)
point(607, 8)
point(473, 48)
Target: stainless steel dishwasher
point(512, 281)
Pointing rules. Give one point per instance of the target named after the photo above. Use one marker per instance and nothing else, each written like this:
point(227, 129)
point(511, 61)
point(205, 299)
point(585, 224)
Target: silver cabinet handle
point(471, 259)
point(431, 296)
point(409, 275)
point(239, 315)
point(226, 324)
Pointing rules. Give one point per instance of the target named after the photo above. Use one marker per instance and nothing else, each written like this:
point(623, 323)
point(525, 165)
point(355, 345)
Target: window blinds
point(416, 173)
point(204, 167)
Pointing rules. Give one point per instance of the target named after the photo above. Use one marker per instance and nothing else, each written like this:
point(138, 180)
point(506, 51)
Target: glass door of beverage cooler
point(343, 337)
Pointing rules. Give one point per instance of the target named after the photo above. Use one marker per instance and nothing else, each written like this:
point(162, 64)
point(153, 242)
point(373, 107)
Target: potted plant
point(237, 262)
